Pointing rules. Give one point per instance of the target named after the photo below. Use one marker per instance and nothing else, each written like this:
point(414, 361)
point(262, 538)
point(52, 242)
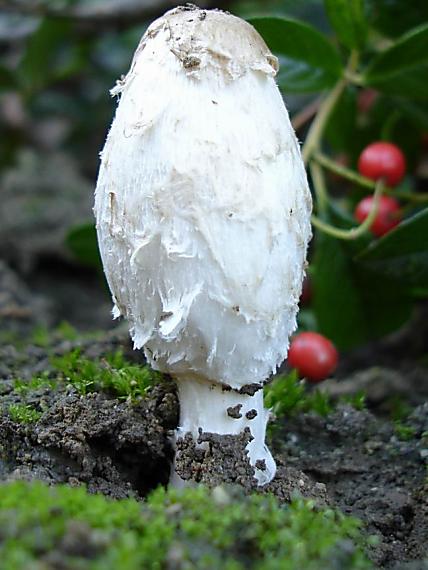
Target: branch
point(357, 231)
point(364, 182)
point(306, 114)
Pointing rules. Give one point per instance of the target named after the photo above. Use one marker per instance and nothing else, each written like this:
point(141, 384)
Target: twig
point(320, 121)
point(306, 114)
point(364, 182)
point(316, 131)
point(357, 231)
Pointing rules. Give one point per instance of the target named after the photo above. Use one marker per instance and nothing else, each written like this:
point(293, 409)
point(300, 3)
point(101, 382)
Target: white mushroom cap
point(202, 201)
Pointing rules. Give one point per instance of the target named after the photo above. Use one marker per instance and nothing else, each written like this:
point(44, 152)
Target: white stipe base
point(205, 405)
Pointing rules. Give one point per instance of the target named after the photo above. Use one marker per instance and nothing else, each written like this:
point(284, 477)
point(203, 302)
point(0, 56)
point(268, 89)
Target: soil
point(353, 460)
point(368, 472)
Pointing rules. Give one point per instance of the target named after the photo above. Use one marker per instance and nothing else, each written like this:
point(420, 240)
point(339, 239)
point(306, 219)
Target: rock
point(43, 197)
point(20, 309)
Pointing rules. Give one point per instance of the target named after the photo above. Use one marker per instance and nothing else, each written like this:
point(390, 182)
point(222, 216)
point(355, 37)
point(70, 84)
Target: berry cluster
point(381, 160)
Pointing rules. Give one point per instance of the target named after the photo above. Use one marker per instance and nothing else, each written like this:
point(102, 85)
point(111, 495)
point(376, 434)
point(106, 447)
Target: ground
point(368, 462)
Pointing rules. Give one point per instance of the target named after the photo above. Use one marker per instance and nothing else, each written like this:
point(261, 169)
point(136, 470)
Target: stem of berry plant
point(316, 160)
point(316, 130)
point(357, 231)
point(302, 117)
point(364, 182)
point(320, 187)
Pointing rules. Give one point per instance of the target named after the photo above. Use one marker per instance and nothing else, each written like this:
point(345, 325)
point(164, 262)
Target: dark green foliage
point(308, 61)
point(189, 529)
point(394, 17)
point(112, 374)
point(403, 68)
point(342, 126)
point(82, 242)
point(401, 254)
point(348, 20)
point(51, 54)
point(351, 303)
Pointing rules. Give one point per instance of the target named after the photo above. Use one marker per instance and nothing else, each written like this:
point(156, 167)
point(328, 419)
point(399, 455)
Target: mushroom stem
point(215, 409)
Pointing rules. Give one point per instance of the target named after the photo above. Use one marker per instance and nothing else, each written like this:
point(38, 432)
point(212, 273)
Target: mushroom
point(203, 218)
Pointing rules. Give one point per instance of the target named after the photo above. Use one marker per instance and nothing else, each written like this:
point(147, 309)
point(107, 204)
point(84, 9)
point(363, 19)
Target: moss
point(112, 374)
point(45, 337)
point(44, 527)
point(23, 413)
point(11, 337)
point(287, 395)
point(403, 431)
point(66, 331)
point(40, 336)
point(357, 400)
point(36, 383)
point(399, 409)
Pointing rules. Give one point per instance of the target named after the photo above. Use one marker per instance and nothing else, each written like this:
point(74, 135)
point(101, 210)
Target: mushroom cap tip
point(214, 32)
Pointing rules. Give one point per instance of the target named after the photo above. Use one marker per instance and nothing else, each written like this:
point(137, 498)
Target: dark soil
point(353, 460)
point(368, 472)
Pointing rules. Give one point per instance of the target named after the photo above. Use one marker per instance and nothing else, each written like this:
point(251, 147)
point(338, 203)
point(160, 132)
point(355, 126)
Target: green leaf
point(7, 78)
point(351, 303)
point(394, 17)
point(403, 68)
point(82, 242)
point(402, 254)
point(341, 128)
point(348, 20)
point(415, 111)
point(410, 83)
point(308, 61)
point(52, 53)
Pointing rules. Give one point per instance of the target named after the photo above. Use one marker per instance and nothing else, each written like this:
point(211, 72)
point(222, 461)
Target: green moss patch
point(112, 374)
point(44, 527)
point(288, 396)
point(24, 413)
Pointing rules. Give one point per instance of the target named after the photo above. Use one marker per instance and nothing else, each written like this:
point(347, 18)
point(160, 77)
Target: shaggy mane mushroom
point(203, 218)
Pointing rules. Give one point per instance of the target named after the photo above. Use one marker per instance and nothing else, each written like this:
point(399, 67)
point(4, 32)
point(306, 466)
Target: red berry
point(382, 160)
point(366, 99)
point(313, 355)
point(388, 215)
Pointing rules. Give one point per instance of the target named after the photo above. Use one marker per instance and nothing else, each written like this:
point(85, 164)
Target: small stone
point(220, 496)
point(251, 414)
point(235, 412)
